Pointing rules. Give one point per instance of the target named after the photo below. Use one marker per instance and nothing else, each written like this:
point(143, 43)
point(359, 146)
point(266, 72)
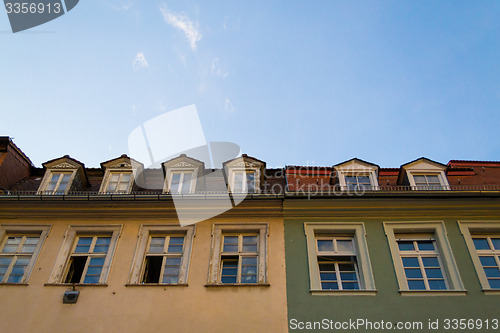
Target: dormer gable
point(63, 175)
point(356, 174)
point(182, 174)
point(423, 174)
point(245, 174)
point(120, 174)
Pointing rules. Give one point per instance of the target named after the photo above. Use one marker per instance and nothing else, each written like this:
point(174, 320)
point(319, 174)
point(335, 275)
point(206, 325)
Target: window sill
point(12, 284)
point(433, 292)
point(76, 284)
point(321, 292)
point(156, 285)
point(491, 291)
point(237, 285)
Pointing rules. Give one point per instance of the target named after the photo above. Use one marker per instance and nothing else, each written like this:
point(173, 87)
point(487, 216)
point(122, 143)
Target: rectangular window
point(488, 251)
point(86, 255)
point(87, 260)
point(427, 182)
point(18, 251)
point(338, 258)
point(337, 263)
point(181, 182)
point(423, 259)
point(244, 182)
point(421, 262)
point(239, 254)
point(354, 183)
point(239, 258)
point(162, 255)
point(58, 183)
point(119, 182)
point(163, 259)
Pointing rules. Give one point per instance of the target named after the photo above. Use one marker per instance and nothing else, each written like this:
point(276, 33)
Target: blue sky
point(291, 82)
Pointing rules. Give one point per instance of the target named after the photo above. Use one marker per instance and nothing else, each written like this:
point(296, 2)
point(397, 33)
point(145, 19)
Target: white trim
point(171, 171)
point(107, 178)
point(357, 230)
point(468, 228)
point(355, 168)
point(148, 230)
point(60, 269)
point(42, 230)
point(42, 189)
point(437, 228)
point(218, 229)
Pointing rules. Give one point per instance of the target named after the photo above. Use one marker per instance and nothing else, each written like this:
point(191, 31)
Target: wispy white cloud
point(181, 22)
point(216, 68)
point(228, 106)
point(140, 61)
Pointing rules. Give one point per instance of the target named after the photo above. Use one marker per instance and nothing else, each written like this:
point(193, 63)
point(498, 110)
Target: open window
point(86, 255)
point(162, 255)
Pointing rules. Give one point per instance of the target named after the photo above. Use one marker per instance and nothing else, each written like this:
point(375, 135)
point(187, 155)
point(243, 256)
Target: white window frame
point(483, 228)
point(357, 169)
point(42, 231)
point(441, 176)
point(147, 231)
point(234, 171)
point(48, 176)
point(355, 231)
point(449, 266)
point(107, 179)
point(170, 174)
point(220, 229)
point(61, 265)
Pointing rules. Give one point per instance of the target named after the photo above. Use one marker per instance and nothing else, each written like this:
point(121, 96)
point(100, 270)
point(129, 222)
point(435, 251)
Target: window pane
point(157, 244)
point(329, 285)
point(91, 279)
point(249, 243)
point(413, 273)
point(433, 273)
point(419, 180)
point(348, 276)
point(251, 182)
point(249, 278)
point(238, 182)
point(410, 262)
point(326, 267)
point(170, 279)
point(406, 246)
point(345, 246)
point(114, 177)
point(437, 285)
point(102, 244)
point(328, 276)
point(494, 283)
point(28, 248)
point(492, 272)
point(430, 261)
point(174, 184)
point(83, 245)
point(230, 244)
point(496, 243)
point(416, 285)
point(481, 244)
point(186, 183)
point(176, 244)
point(487, 261)
point(350, 285)
point(229, 270)
point(325, 245)
point(433, 179)
point(426, 245)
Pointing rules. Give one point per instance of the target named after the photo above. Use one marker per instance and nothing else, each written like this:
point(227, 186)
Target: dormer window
point(424, 175)
point(244, 174)
point(181, 175)
point(62, 176)
point(119, 182)
point(119, 175)
point(244, 181)
point(58, 183)
point(357, 175)
point(181, 181)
